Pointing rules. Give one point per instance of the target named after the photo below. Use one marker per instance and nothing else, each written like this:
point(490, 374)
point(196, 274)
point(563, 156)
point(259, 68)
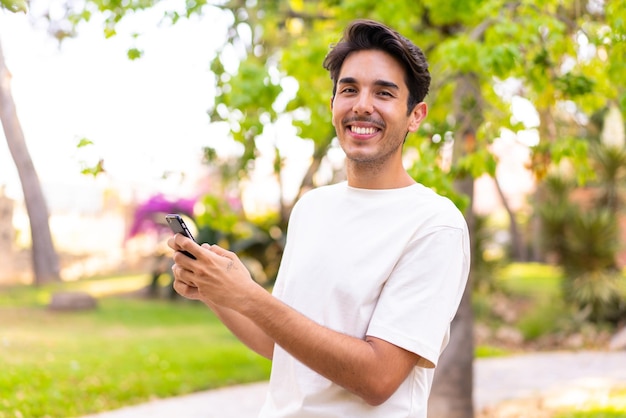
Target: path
point(560, 375)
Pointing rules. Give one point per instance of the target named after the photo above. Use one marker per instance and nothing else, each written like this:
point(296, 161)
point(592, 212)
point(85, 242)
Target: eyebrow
point(381, 83)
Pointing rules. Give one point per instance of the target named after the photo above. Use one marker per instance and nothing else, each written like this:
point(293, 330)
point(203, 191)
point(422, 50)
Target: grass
point(532, 279)
point(611, 406)
point(127, 351)
point(533, 285)
point(130, 350)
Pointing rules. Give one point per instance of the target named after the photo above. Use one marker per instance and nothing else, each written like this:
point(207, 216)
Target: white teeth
point(362, 131)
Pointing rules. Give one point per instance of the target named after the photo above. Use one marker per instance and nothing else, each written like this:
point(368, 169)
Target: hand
point(217, 276)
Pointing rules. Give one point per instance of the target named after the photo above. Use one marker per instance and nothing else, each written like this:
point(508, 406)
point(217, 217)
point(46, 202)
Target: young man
point(373, 269)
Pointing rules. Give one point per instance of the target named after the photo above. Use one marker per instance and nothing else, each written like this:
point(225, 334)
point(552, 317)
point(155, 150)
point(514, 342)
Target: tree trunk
point(452, 392)
point(518, 247)
point(547, 132)
point(45, 258)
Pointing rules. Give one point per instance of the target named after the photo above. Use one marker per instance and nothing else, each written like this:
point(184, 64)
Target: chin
point(361, 158)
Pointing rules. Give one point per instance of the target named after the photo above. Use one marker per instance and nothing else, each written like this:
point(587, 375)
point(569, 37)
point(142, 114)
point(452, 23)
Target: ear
point(418, 114)
point(332, 99)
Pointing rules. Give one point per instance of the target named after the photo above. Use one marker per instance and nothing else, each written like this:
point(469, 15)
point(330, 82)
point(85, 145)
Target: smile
point(361, 130)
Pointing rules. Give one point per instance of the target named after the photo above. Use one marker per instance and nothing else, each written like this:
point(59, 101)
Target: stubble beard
point(371, 163)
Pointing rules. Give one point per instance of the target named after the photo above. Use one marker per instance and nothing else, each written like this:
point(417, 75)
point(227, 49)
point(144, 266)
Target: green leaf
point(83, 142)
point(109, 32)
point(95, 170)
point(574, 85)
point(134, 53)
point(15, 5)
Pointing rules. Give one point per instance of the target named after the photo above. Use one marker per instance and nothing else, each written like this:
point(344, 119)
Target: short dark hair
point(367, 35)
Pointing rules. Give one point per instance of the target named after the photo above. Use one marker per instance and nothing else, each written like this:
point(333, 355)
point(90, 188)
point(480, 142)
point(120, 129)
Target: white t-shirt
point(391, 264)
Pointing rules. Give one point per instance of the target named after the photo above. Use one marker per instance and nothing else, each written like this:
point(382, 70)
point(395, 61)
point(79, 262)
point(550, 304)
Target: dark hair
point(367, 34)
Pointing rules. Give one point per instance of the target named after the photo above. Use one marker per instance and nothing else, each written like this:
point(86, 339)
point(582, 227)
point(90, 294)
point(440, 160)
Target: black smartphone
point(178, 226)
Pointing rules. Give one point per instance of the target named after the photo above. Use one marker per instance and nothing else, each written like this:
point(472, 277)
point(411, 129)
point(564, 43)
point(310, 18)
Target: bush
point(597, 295)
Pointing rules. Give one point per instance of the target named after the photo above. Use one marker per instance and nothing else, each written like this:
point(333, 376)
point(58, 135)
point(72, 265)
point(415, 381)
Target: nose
point(363, 104)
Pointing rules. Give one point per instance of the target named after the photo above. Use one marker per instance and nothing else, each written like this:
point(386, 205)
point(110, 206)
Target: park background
point(222, 110)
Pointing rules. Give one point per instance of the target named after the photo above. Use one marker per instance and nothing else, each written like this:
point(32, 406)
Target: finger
point(182, 275)
point(181, 272)
point(183, 289)
point(171, 242)
point(182, 260)
point(174, 244)
point(186, 244)
point(216, 249)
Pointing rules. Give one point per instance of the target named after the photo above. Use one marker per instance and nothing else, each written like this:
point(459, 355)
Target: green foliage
point(547, 157)
point(432, 175)
point(533, 291)
point(597, 294)
point(93, 170)
point(555, 212)
point(592, 240)
point(483, 351)
point(585, 236)
point(485, 267)
point(216, 213)
point(480, 162)
point(15, 5)
point(134, 53)
point(610, 168)
point(545, 319)
point(90, 169)
point(574, 85)
point(566, 58)
point(487, 39)
point(83, 142)
point(532, 279)
point(127, 351)
point(462, 53)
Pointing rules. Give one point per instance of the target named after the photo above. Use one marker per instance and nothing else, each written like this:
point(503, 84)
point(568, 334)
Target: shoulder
point(436, 208)
point(321, 193)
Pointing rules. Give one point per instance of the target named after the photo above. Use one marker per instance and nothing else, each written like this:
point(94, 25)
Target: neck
point(366, 176)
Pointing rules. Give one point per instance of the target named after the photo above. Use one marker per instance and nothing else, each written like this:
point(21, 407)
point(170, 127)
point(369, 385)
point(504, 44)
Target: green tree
point(566, 57)
point(473, 48)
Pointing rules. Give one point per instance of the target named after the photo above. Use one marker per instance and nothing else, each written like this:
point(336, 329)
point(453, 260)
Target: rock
point(72, 301)
point(618, 341)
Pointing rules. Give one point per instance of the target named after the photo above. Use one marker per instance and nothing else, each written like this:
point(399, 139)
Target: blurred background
point(117, 112)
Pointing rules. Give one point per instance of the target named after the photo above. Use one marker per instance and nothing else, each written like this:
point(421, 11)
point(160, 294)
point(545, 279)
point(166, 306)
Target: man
point(373, 269)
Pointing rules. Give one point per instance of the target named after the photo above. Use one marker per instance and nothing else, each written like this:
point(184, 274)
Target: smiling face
point(369, 110)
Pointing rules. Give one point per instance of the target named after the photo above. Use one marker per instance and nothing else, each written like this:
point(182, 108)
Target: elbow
point(377, 399)
point(378, 392)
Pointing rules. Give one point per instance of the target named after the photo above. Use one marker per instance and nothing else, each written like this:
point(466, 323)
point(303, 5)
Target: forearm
point(245, 330)
point(371, 368)
point(353, 363)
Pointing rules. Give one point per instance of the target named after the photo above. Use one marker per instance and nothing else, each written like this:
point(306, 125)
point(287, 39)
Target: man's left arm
point(371, 368)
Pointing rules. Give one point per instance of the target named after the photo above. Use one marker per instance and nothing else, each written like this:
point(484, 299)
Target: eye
point(348, 90)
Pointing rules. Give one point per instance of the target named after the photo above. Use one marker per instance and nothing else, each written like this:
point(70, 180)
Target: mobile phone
point(178, 226)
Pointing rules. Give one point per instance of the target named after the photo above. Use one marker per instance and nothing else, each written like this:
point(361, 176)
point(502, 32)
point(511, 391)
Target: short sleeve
point(422, 295)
